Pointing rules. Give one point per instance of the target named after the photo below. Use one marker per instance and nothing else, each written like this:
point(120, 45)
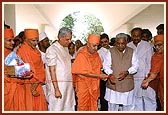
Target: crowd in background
point(124, 73)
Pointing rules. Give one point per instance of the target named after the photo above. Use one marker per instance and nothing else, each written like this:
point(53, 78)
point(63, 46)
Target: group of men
point(125, 68)
point(129, 93)
point(24, 94)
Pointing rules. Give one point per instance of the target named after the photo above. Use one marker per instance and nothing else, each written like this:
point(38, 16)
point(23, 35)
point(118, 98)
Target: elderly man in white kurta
point(60, 92)
point(145, 99)
point(119, 87)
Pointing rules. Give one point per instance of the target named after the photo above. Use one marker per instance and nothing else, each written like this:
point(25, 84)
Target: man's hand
point(103, 76)
point(58, 93)
point(122, 75)
point(33, 88)
point(112, 79)
point(144, 84)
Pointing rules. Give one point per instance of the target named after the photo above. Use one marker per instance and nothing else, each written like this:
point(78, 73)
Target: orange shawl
point(33, 57)
point(87, 88)
point(13, 91)
point(86, 62)
point(157, 66)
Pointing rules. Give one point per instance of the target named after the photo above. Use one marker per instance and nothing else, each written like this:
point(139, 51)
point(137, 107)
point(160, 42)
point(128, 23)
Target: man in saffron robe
point(13, 87)
point(157, 69)
point(35, 99)
point(87, 67)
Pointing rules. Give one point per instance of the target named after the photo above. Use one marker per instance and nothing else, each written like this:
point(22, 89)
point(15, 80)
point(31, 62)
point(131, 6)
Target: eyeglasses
point(158, 45)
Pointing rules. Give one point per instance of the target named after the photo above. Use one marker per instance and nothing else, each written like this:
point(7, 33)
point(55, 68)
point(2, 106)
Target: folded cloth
point(12, 59)
point(21, 69)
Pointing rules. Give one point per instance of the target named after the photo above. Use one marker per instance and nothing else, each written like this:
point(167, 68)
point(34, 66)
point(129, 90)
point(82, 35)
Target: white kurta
point(144, 52)
point(124, 98)
point(58, 56)
point(145, 99)
point(43, 57)
point(44, 61)
point(105, 55)
point(74, 56)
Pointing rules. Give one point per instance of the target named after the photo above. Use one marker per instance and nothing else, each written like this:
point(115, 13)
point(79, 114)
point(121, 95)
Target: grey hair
point(122, 35)
point(63, 32)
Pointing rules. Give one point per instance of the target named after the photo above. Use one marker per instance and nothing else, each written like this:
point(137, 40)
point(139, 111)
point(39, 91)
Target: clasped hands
point(122, 75)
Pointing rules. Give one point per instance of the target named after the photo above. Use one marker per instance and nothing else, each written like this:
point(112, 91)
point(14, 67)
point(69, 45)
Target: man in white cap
point(43, 44)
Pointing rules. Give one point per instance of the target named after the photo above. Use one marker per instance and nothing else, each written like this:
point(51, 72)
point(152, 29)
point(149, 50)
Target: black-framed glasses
point(160, 44)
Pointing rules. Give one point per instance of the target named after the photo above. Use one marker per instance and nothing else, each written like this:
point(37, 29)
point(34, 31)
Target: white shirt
point(58, 56)
point(44, 61)
point(108, 59)
point(125, 98)
point(74, 55)
point(105, 55)
point(144, 52)
point(43, 57)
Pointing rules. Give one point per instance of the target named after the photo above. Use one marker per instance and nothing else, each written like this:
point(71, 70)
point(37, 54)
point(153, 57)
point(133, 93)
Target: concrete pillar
point(41, 27)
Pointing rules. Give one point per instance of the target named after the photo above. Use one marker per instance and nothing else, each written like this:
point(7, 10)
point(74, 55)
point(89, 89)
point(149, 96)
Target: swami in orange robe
point(87, 88)
point(157, 66)
point(13, 87)
point(35, 99)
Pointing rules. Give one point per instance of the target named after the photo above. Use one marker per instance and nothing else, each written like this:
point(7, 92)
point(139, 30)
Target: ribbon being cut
point(16, 67)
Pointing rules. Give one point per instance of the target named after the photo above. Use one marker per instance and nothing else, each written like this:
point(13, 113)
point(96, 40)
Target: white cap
point(42, 36)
